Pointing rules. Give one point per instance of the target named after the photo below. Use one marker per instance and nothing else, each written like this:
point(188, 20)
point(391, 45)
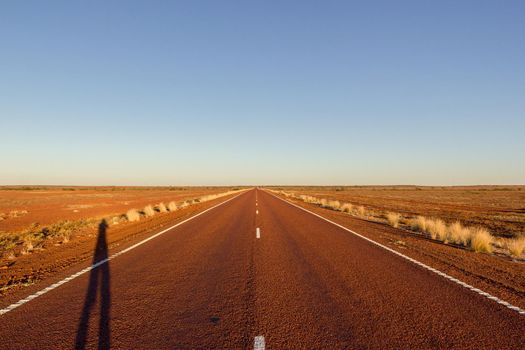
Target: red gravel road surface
point(305, 283)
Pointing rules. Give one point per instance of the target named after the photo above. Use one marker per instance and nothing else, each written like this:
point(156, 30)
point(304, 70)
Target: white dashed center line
point(258, 343)
point(257, 212)
point(258, 233)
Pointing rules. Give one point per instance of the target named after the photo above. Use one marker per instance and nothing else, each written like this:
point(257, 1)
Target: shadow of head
point(101, 249)
point(102, 225)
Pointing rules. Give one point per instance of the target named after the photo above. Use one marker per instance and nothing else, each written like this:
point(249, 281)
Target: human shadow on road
point(98, 280)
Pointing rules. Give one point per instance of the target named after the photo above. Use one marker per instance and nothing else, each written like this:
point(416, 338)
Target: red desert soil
point(499, 208)
point(26, 270)
point(47, 205)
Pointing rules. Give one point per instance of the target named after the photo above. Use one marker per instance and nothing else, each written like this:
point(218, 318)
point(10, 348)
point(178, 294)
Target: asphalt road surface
point(259, 273)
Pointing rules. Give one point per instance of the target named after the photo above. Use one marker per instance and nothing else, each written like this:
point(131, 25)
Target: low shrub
point(347, 208)
point(419, 224)
point(133, 215)
point(162, 208)
point(148, 210)
point(393, 219)
point(335, 205)
point(516, 246)
point(458, 234)
point(481, 240)
point(172, 206)
point(437, 229)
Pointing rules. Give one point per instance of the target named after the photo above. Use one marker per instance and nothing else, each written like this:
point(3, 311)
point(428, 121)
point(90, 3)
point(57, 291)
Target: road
point(298, 282)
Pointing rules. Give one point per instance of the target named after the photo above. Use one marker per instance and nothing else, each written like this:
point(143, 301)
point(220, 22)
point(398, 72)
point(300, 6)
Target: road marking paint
point(442, 274)
point(94, 266)
point(258, 233)
point(258, 343)
point(257, 212)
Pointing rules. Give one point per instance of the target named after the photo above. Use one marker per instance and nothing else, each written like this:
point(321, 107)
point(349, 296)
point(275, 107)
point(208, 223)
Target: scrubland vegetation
point(516, 246)
point(133, 215)
point(393, 219)
point(148, 210)
point(34, 237)
point(475, 238)
point(500, 209)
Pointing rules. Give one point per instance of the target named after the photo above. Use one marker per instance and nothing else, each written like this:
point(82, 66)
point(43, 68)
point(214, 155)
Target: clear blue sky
point(262, 92)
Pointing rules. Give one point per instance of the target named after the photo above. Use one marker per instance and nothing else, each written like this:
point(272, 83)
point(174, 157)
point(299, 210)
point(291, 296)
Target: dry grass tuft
point(115, 220)
point(516, 246)
point(437, 229)
point(361, 211)
point(459, 234)
point(419, 224)
point(481, 240)
point(309, 199)
point(206, 198)
point(28, 245)
point(347, 208)
point(393, 219)
point(66, 237)
point(148, 210)
point(335, 205)
point(162, 208)
point(133, 215)
point(172, 206)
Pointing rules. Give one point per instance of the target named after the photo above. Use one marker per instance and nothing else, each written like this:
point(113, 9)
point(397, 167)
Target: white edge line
point(450, 278)
point(259, 343)
point(89, 268)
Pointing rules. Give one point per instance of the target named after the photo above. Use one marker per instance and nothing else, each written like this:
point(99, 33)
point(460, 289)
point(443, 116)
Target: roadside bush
point(148, 210)
point(437, 229)
point(419, 224)
point(361, 211)
point(133, 215)
point(335, 205)
point(115, 220)
point(66, 237)
point(481, 240)
point(309, 199)
point(393, 219)
point(347, 208)
point(162, 208)
point(516, 246)
point(28, 244)
point(172, 206)
point(458, 234)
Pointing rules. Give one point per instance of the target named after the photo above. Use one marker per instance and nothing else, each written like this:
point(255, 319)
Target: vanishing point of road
point(256, 272)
